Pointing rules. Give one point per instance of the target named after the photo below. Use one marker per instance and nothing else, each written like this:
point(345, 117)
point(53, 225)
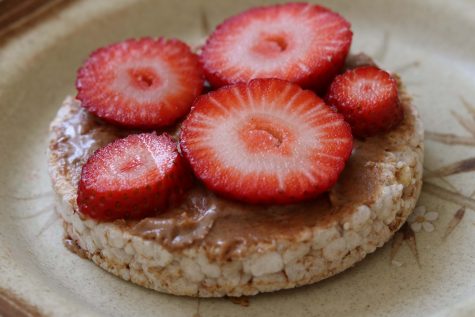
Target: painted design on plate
point(459, 167)
point(422, 219)
point(405, 234)
point(466, 123)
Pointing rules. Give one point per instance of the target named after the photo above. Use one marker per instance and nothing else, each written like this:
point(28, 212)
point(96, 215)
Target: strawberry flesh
point(299, 42)
point(368, 99)
point(266, 141)
point(144, 83)
point(132, 178)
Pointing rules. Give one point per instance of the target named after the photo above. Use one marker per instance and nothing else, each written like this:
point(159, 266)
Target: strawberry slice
point(267, 141)
point(144, 83)
point(133, 177)
point(299, 42)
point(368, 99)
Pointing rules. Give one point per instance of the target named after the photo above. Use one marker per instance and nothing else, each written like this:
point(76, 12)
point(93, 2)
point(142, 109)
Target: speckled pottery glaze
point(427, 269)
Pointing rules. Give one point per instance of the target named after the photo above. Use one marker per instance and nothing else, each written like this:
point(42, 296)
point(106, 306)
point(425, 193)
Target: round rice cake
point(210, 247)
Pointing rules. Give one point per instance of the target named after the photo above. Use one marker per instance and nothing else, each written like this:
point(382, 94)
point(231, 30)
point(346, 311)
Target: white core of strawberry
point(137, 159)
point(219, 136)
point(124, 165)
point(168, 81)
point(300, 38)
point(369, 90)
point(162, 153)
point(141, 83)
point(295, 52)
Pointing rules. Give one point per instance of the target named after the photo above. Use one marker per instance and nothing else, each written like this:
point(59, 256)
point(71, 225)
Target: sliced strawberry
point(267, 141)
point(145, 83)
point(368, 99)
point(133, 177)
point(299, 42)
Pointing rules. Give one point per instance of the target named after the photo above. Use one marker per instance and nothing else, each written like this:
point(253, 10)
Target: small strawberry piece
point(266, 141)
point(145, 83)
point(299, 42)
point(133, 177)
point(368, 99)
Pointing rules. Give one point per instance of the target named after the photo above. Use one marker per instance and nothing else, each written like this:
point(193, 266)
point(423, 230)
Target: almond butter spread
point(220, 224)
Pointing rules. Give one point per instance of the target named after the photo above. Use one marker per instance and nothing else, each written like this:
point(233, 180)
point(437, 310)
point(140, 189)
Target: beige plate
point(431, 44)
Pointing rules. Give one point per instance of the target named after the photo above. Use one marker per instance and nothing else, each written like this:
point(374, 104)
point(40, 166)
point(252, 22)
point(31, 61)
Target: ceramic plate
point(428, 268)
